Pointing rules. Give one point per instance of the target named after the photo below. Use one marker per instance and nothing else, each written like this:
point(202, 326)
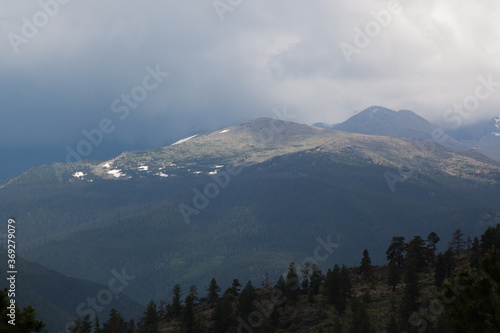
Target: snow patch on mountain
point(184, 140)
point(224, 131)
point(161, 174)
point(116, 173)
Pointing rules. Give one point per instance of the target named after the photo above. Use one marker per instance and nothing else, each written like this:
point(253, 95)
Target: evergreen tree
point(77, 326)
point(440, 272)
point(490, 238)
point(97, 325)
point(236, 286)
point(188, 314)
point(86, 324)
point(449, 263)
point(305, 271)
point(281, 286)
point(25, 320)
point(417, 253)
point(175, 305)
point(213, 292)
point(476, 306)
point(292, 284)
point(394, 276)
point(432, 240)
point(412, 287)
point(193, 292)
point(246, 299)
point(316, 279)
point(345, 282)
point(457, 242)
point(366, 265)
point(115, 323)
point(475, 253)
point(223, 315)
point(149, 322)
point(332, 284)
point(396, 251)
point(340, 288)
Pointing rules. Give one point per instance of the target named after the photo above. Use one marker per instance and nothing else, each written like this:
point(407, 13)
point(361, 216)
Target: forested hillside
point(418, 290)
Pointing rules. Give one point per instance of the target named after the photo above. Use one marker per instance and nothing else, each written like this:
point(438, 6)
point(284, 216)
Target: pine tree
point(440, 272)
point(366, 265)
point(281, 286)
point(305, 271)
point(316, 279)
point(412, 287)
point(396, 251)
point(86, 325)
point(475, 253)
point(76, 327)
point(175, 305)
point(188, 314)
point(213, 292)
point(417, 252)
point(394, 276)
point(476, 304)
point(432, 240)
point(193, 292)
point(490, 238)
point(332, 284)
point(149, 322)
point(457, 242)
point(236, 286)
point(246, 299)
point(115, 323)
point(25, 320)
point(292, 284)
point(223, 315)
point(97, 325)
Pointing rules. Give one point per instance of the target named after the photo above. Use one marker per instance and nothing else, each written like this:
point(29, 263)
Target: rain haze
point(151, 73)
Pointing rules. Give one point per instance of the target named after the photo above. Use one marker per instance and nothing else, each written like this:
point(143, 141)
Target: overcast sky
point(230, 61)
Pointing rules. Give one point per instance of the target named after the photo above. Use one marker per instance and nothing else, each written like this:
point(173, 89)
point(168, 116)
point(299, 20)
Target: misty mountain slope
point(270, 213)
point(484, 137)
point(56, 298)
point(377, 120)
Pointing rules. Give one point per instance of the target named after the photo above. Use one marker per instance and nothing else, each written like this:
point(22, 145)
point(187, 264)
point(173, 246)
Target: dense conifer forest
point(418, 290)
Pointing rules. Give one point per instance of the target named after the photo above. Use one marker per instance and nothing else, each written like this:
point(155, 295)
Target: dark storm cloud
point(262, 55)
